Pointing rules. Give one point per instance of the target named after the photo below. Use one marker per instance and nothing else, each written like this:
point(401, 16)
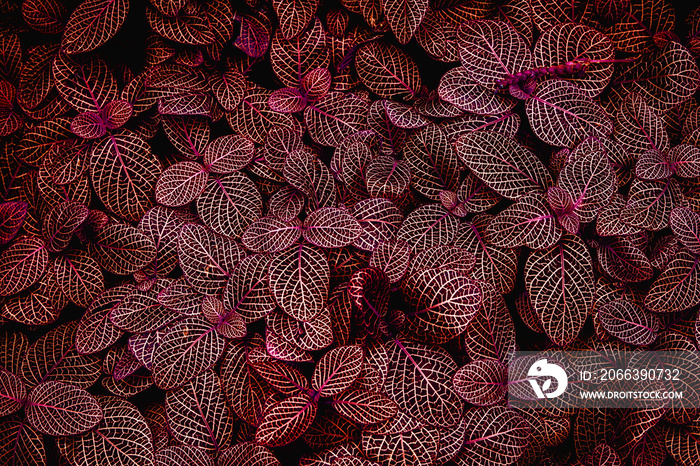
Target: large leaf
point(561, 114)
point(495, 436)
point(198, 415)
point(665, 79)
point(419, 380)
point(434, 164)
point(122, 249)
point(293, 58)
point(590, 182)
point(54, 357)
point(364, 406)
point(20, 444)
point(650, 203)
point(529, 222)
point(504, 165)
point(482, 382)
point(331, 228)
point(677, 288)
point(427, 226)
point(299, 280)
point(443, 302)
point(685, 224)
point(229, 204)
point(337, 370)
point(188, 348)
point(95, 331)
point(92, 24)
point(559, 281)
point(458, 88)
point(294, 16)
point(22, 264)
point(387, 71)
point(404, 16)
point(13, 393)
point(335, 117)
point(285, 421)
point(122, 437)
point(57, 408)
point(491, 51)
point(124, 172)
point(628, 322)
point(86, 84)
point(206, 258)
point(79, 277)
point(181, 183)
point(568, 42)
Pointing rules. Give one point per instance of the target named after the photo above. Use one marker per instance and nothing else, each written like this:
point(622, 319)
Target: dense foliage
point(270, 232)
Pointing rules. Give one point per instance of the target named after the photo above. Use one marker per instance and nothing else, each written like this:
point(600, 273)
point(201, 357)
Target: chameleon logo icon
point(542, 368)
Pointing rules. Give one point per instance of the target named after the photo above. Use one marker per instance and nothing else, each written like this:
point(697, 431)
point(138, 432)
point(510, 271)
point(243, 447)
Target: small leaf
point(337, 370)
point(285, 421)
point(629, 322)
point(93, 23)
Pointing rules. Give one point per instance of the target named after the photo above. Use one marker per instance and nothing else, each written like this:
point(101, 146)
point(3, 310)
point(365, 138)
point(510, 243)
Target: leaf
point(253, 117)
point(481, 382)
point(316, 84)
point(590, 182)
point(22, 264)
point(79, 276)
point(247, 292)
point(639, 129)
point(429, 225)
point(635, 28)
point(285, 421)
point(248, 454)
point(124, 173)
point(58, 409)
point(562, 115)
point(95, 331)
point(36, 79)
point(685, 160)
point(505, 166)
point(387, 177)
point(140, 312)
point(529, 222)
point(181, 183)
point(491, 333)
point(331, 228)
point(387, 71)
point(92, 24)
point(308, 174)
point(122, 437)
point(13, 393)
point(622, 260)
point(652, 165)
point(491, 51)
point(665, 79)
point(294, 16)
point(254, 37)
point(628, 322)
point(189, 134)
point(270, 234)
point(433, 162)
point(21, 444)
point(419, 380)
point(495, 436)
point(404, 16)
point(364, 406)
point(402, 439)
point(190, 347)
point(685, 224)
point(560, 284)
point(228, 88)
point(337, 370)
point(206, 259)
point(392, 257)
point(676, 289)
point(565, 43)
point(54, 357)
point(299, 280)
point(183, 454)
point(335, 117)
point(86, 84)
point(229, 204)
point(122, 249)
point(12, 215)
point(458, 88)
point(46, 16)
point(197, 413)
point(292, 58)
point(650, 203)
